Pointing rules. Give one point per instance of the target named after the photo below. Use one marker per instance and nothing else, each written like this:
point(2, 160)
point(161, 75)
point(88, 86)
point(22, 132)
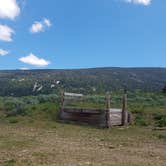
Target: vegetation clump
point(10, 162)
point(140, 121)
point(160, 119)
point(14, 106)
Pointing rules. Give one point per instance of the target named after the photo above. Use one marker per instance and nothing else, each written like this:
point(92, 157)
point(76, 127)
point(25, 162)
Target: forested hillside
point(96, 80)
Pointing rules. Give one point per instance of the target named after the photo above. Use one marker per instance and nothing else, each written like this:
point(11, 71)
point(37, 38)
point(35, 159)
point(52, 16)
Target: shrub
point(47, 98)
point(32, 100)
point(14, 107)
point(161, 136)
point(160, 119)
point(140, 121)
point(13, 120)
point(9, 162)
point(161, 122)
point(136, 108)
point(158, 116)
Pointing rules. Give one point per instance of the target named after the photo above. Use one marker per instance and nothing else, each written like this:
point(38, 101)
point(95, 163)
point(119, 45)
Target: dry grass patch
point(66, 144)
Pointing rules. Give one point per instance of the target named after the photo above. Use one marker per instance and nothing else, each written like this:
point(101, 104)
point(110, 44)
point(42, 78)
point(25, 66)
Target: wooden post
point(124, 107)
point(108, 120)
point(62, 100)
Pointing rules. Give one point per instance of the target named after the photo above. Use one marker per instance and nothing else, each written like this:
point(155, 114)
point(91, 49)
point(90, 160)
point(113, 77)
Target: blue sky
point(53, 34)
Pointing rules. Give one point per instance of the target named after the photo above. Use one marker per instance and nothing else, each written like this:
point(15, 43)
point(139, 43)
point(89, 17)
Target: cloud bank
point(34, 60)
point(6, 33)
point(40, 26)
point(9, 9)
point(141, 2)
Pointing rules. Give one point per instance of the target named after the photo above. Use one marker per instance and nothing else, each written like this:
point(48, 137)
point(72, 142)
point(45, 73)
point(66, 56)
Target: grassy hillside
point(88, 81)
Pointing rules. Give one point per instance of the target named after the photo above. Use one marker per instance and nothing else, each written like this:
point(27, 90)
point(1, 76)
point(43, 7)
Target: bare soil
point(57, 144)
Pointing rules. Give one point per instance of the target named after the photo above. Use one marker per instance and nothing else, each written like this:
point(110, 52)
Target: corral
point(107, 117)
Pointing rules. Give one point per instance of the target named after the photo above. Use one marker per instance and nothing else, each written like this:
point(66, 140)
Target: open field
point(37, 138)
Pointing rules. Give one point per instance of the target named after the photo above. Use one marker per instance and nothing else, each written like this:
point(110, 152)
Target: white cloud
point(47, 22)
point(6, 33)
point(3, 52)
point(40, 26)
point(142, 2)
point(34, 60)
point(24, 68)
point(9, 9)
point(37, 27)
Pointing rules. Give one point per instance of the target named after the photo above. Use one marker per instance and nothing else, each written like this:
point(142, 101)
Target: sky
point(67, 34)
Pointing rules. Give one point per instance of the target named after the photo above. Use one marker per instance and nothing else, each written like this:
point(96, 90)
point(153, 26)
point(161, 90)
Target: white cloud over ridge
point(9, 9)
point(34, 60)
point(3, 52)
point(141, 2)
point(40, 26)
point(6, 33)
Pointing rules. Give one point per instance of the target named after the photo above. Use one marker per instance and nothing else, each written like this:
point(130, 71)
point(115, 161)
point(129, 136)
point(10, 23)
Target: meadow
point(32, 134)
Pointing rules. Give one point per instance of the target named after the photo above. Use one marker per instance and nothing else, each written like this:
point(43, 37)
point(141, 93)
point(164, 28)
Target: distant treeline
point(86, 81)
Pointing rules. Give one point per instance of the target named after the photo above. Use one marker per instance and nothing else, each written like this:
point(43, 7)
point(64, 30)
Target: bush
point(9, 162)
point(140, 121)
point(161, 122)
point(13, 120)
point(14, 107)
point(158, 116)
point(160, 119)
point(47, 98)
point(161, 136)
point(31, 100)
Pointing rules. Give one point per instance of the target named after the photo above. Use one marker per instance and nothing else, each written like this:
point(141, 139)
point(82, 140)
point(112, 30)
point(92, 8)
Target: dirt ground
point(72, 145)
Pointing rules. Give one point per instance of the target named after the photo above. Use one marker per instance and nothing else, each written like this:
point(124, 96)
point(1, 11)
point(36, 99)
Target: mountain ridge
point(87, 80)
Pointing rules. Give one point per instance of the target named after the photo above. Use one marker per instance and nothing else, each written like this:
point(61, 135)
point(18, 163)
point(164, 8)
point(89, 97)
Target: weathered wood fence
point(107, 117)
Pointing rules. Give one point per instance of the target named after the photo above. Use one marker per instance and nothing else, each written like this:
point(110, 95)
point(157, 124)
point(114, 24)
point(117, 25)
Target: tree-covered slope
point(96, 80)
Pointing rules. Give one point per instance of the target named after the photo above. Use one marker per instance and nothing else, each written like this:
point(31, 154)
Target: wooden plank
point(115, 110)
point(73, 94)
point(94, 119)
point(116, 116)
point(80, 110)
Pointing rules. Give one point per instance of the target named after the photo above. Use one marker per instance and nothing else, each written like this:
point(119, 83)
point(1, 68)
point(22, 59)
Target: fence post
point(124, 107)
point(62, 100)
point(108, 120)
